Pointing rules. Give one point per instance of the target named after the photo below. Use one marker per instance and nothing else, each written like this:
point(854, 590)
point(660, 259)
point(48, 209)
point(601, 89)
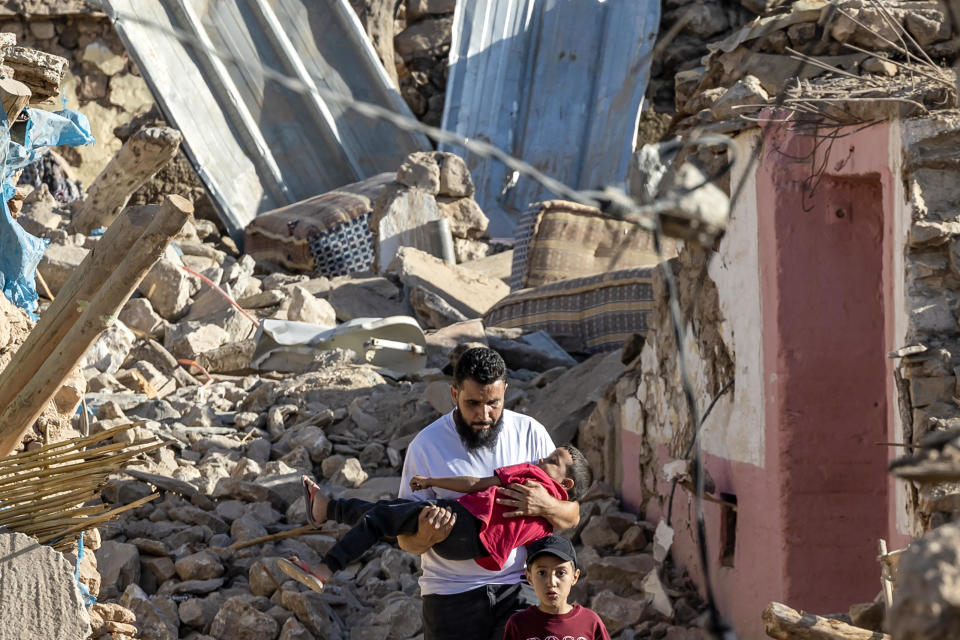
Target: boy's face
point(552, 578)
point(555, 465)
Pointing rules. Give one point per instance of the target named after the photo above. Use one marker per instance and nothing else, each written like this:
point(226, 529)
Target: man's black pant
point(478, 614)
point(373, 521)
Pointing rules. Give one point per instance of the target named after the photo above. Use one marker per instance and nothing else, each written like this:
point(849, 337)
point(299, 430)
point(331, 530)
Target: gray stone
point(109, 351)
point(293, 629)
point(161, 568)
point(190, 339)
point(745, 97)
point(402, 615)
point(420, 170)
point(454, 175)
point(246, 528)
point(417, 9)
point(927, 594)
point(471, 293)
point(42, 600)
point(200, 612)
point(633, 539)
point(58, 263)
point(199, 566)
point(618, 613)
point(879, 66)
point(305, 307)
point(432, 310)
point(157, 616)
point(927, 27)
point(237, 620)
point(925, 391)
point(365, 297)
point(314, 440)
point(168, 287)
point(598, 533)
point(467, 219)
point(350, 474)
point(427, 37)
point(190, 587)
point(265, 577)
point(617, 573)
point(404, 217)
point(139, 316)
point(119, 566)
point(309, 609)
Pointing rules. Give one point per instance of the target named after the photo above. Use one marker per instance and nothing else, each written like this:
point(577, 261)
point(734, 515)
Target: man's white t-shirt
point(438, 452)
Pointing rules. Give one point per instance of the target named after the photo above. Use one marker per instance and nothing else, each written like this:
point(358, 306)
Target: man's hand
point(419, 483)
point(531, 498)
point(433, 526)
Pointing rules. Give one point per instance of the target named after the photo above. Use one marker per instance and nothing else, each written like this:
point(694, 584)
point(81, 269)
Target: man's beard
point(474, 439)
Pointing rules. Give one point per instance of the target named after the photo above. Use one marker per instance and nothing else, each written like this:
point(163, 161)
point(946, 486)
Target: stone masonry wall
point(927, 377)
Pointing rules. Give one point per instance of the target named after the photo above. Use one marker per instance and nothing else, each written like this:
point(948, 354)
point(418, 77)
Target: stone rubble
point(239, 441)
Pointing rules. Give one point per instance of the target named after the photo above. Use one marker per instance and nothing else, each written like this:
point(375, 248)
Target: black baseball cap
point(555, 546)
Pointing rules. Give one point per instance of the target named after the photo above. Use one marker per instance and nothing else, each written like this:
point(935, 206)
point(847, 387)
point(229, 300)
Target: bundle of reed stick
point(52, 493)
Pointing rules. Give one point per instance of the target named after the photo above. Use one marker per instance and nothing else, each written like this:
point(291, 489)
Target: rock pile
point(201, 561)
point(422, 46)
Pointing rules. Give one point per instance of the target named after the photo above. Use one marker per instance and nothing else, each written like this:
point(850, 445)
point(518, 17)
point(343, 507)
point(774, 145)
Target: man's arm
point(433, 526)
point(460, 484)
point(532, 499)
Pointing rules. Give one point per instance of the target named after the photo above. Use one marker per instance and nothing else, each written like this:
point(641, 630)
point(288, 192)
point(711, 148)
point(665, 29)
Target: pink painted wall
point(809, 518)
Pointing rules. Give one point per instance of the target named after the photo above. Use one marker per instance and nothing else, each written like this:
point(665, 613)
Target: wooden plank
point(784, 623)
point(18, 416)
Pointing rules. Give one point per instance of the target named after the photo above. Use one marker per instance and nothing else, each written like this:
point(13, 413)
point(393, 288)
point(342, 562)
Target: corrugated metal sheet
point(256, 144)
point(558, 83)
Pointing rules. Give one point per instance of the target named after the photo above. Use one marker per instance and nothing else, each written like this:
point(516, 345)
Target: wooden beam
point(18, 416)
point(69, 304)
point(14, 96)
point(784, 623)
point(141, 156)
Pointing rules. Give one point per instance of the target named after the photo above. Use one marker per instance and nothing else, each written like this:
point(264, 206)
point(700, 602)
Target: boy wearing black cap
point(552, 571)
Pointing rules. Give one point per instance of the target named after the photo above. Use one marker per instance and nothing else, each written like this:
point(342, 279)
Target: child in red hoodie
point(552, 570)
point(481, 532)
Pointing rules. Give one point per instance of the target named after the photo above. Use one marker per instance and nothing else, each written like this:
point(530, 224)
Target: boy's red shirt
point(579, 623)
point(502, 535)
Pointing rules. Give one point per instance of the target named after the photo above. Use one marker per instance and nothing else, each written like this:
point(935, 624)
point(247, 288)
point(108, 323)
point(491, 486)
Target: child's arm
point(460, 484)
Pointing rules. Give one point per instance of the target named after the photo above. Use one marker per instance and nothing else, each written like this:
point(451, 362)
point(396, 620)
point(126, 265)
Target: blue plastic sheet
point(20, 252)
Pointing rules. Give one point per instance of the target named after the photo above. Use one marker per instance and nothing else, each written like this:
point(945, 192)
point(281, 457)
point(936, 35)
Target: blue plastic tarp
point(20, 252)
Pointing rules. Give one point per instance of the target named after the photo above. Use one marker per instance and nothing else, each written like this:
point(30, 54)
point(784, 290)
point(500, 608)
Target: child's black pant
point(373, 521)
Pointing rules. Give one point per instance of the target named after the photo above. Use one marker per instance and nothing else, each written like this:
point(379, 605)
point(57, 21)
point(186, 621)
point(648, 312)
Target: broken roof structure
point(256, 143)
point(559, 84)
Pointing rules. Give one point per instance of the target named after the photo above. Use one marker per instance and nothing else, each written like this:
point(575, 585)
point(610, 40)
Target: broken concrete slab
point(408, 217)
point(366, 297)
point(433, 311)
point(469, 292)
point(567, 401)
point(41, 596)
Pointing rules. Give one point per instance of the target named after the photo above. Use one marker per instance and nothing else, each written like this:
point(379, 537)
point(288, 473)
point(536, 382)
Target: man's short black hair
point(482, 365)
point(579, 471)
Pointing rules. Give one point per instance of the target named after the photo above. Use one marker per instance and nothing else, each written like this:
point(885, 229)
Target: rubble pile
point(838, 63)
point(200, 562)
point(422, 45)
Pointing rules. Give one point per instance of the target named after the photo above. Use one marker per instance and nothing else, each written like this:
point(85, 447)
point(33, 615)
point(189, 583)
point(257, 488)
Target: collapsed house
point(821, 326)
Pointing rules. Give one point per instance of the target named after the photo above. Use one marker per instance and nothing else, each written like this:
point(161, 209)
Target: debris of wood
point(784, 623)
point(141, 156)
